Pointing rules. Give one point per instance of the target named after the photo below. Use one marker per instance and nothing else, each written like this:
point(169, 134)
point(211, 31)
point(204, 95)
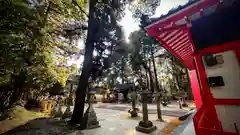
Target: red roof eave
point(153, 28)
point(176, 38)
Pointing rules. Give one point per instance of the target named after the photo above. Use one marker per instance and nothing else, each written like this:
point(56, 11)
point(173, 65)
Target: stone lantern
point(90, 117)
point(145, 125)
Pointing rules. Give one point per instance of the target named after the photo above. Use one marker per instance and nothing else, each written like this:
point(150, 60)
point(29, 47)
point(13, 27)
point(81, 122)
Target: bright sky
point(129, 24)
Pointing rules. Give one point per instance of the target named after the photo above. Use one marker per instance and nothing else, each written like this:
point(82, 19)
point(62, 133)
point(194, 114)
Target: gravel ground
point(44, 126)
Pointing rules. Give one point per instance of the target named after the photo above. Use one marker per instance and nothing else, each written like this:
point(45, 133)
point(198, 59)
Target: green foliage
point(143, 7)
point(170, 71)
point(109, 41)
point(74, 69)
point(37, 37)
point(143, 45)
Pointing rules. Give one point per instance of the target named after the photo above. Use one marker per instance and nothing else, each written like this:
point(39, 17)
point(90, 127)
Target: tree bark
point(148, 86)
point(122, 69)
point(2, 107)
point(87, 66)
point(19, 83)
point(178, 83)
point(189, 89)
point(158, 97)
point(150, 76)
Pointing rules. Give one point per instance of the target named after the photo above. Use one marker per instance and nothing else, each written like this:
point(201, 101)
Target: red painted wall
point(195, 88)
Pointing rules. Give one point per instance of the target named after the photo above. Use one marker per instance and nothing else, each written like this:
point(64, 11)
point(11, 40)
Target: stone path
point(113, 118)
point(113, 122)
point(171, 110)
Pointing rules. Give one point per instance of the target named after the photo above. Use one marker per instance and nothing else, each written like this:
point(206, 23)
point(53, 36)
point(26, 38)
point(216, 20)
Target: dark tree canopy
point(37, 37)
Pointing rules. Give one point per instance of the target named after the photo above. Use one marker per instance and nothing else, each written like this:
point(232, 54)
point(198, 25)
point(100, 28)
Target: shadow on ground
point(44, 126)
point(177, 113)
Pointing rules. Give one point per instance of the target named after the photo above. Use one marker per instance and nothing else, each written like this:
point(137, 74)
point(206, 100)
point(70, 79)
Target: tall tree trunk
point(19, 82)
point(150, 76)
point(158, 97)
point(87, 66)
point(122, 70)
point(175, 73)
point(148, 86)
point(188, 87)
point(2, 106)
point(178, 82)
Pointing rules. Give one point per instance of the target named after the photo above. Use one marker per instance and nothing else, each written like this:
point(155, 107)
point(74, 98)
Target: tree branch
point(74, 2)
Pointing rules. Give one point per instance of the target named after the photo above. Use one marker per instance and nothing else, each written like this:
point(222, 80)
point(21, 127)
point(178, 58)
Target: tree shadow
point(43, 126)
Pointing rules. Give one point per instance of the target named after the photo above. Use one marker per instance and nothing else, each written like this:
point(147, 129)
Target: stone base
point(92, 126)
point(67, 113)
point(161, 120)
point(90, 119)
point(146, 127)
point(164, 103)
point(133, 113)
point(146, 130)
point(185, 105)
point(58, 112)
